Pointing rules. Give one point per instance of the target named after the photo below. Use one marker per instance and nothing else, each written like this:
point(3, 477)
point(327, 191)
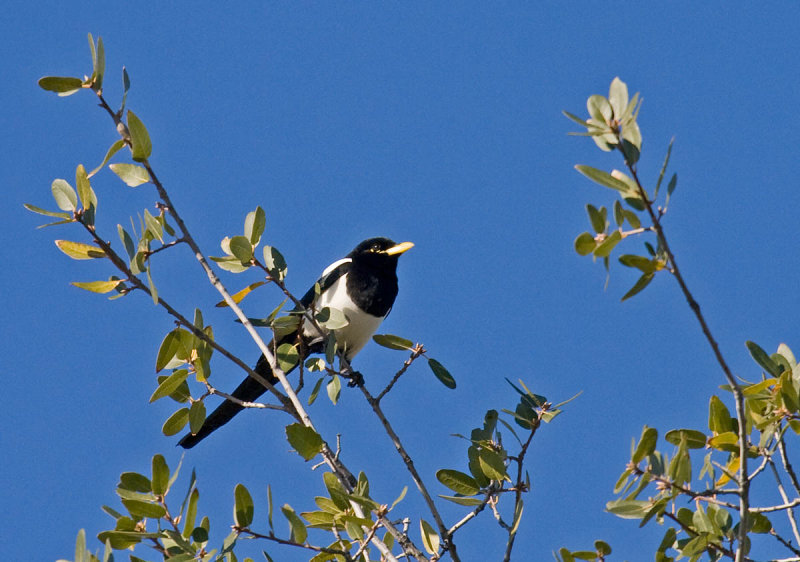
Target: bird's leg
point(354, 378)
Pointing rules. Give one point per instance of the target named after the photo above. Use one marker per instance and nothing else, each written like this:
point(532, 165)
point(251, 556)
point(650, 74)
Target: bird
point(362, 285)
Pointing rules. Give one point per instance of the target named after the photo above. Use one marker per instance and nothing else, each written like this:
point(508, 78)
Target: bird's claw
point(354, 379)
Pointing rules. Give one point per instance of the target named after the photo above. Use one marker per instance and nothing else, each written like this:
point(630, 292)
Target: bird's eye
point(375, 248)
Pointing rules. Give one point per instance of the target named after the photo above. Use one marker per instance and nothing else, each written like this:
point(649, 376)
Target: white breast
point(361, 326)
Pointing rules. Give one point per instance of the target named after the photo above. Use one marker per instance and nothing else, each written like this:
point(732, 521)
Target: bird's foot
point(354, 378)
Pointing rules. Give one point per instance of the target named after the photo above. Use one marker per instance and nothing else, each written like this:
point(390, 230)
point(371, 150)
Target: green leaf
point(762, 358)
point(585, 244)
point(643, 282)
point(153, 226)
point(62, 85)
point(287, 356)
point(664, 166)
point(694, 439)
point(171, 347)
point(197, 415)
point(243, 509)
point(393, 342)
point(575, 118)
point(65, 196)
point(176, 422)
point(140, 139)
point(139, 508)
point(462, 500)
point(242, 249)
point(641, 263)
point(254, 225)
point(331, 318)
point(100, 65)
point(131, 174)
point(275, 263)
point(79, 251)
point(298, 529)
point(101, 287)
point(599, 108)
point(492, 465)
point(607, 245)
point(673, 183)
point(603, 178)
point(126, 85)
point(628, 509)
point(618, 97)
point(442, 374)
point(135, 482)
point(230, 263)
point(170, 384)
point(85, 192)
point(647, 444)
point(304, 440)
point(40, 211)
point(116, 147)
point(160, 479)
point(430, 538)
point(334, 389)
point(602, 548)
point(719, 417)
point(759, 523)
point(457, 481)
point(596, 218)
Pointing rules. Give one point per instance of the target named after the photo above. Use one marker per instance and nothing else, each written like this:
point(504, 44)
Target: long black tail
point(248, 391)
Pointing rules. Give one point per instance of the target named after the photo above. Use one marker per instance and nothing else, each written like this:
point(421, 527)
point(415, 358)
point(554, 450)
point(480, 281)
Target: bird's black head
point(381, 253)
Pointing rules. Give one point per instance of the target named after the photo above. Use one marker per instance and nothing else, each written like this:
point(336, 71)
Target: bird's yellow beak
point(398, 249)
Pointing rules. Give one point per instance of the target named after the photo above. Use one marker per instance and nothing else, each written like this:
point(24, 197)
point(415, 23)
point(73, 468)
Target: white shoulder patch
point(334, 265)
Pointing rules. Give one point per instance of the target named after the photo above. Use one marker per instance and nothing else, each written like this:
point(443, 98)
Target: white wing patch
point(334, 265)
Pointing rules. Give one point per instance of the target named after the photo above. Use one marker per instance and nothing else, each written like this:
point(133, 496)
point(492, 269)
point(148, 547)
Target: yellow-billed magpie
point(363, 286)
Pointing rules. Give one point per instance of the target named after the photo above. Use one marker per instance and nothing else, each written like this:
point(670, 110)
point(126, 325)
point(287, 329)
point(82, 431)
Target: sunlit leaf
point(140, 138)
point(457, 481)
point(64, 195)
point(101, 287)
point(430, 538)
point(304, 440)
point(131, 174)
point(243, 509)
point(298, 529)
point(80, 251)
point(393, 342)
point(62, 85)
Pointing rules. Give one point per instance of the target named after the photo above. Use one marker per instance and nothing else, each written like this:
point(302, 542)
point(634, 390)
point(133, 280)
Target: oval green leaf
point(131, 174)
point(243, 509)
point(457, 481)
point(140, 139)
point(442, 374)
point(160, 479)
point(80, 251)
point(430, 538)
point(101, 287)
point(176, 422)
point(304, 440)
point(197, 415)
point(694, 439)
point(62, 85)
point(393, 342)
point(65, 196)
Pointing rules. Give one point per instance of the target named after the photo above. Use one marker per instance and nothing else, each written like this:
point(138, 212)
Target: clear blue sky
point(436, 124)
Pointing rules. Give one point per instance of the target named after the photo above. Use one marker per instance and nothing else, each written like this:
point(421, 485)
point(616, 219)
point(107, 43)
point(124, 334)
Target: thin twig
point(448, 543)
point(415, 353)
point(306, 546)
point(742, 479)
